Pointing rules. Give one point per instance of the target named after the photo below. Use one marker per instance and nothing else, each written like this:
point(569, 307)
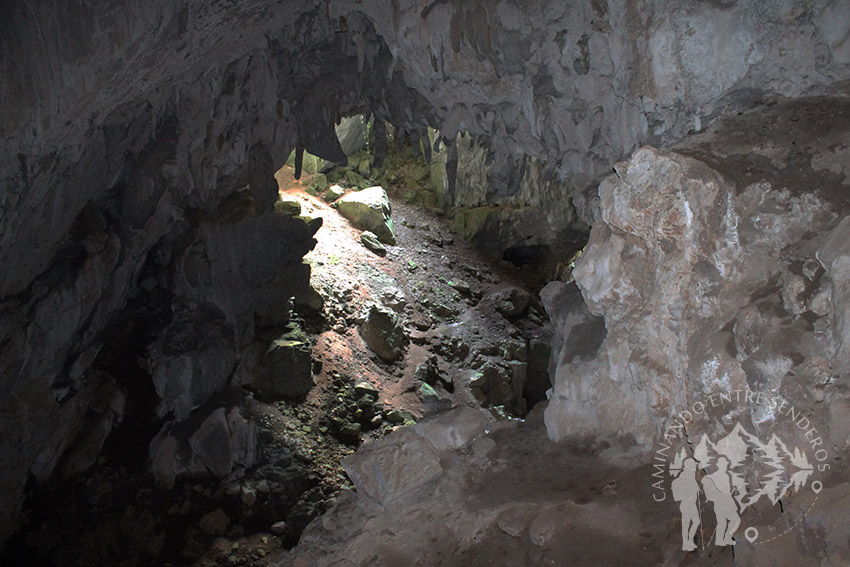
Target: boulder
point(370, 241)
point(452, 429)
point(289, 206)
point(369, 209)
point(383, 332)
point(333, 193)
point(496, 386)
point(393, 466)
point(286, 368)
point(191, 360)
point(215, 523)
point(210, 444)
point(513, 302)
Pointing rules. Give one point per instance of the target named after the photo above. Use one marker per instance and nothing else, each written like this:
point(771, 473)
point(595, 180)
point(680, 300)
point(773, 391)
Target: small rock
point(393, 298)
point(278, 528)
point(513, 303)
point(365, 388)
point(443, 310)
point(396, 416)
point(460, 286)
point(333, 193)
point(288, 206)
point(215, 523)
point(515, 350)
point(421, 323)
point(425, 391)
point(371, 242)
point(351, 430)
point(434, 239)
point(249, 496)
point(428, 371)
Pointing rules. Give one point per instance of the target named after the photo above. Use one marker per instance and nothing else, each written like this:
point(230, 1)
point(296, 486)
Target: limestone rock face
point(578, 86)
point(710, 279)
point(370, 210)
point(192, 360)
point(352, 132)
point(210, 444)
point(386, 471)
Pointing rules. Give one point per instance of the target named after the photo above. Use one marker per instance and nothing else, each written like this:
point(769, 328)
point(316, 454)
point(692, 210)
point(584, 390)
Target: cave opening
point(326, 369)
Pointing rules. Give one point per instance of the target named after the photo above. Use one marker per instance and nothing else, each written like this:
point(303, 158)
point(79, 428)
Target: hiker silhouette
point(685, 490)
point(718, 490)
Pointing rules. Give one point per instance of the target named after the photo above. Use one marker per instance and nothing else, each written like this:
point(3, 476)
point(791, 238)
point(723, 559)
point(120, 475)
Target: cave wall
point(139, 144)
point(128, 131)
point(718, 265)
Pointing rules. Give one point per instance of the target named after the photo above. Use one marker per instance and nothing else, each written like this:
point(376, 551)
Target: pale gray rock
point(495, 385)
point(370, 241)
point(208, 444)
point(333, 193)
point(386, 469)
point(369, 209)
point(708, 279)
point(452, 429)
point(191, 360)
point(351, 132)
point(384, 333)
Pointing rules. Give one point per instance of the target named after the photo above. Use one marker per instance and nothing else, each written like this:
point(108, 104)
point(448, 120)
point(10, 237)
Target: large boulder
point(209, 444)
point(389, 468)
point(369, 209)
point(384, 333)
point(286, 368)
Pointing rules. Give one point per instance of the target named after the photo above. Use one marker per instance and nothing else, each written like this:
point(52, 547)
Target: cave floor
point(513, 497)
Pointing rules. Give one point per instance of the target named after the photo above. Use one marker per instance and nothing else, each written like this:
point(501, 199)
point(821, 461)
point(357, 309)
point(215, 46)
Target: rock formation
point(714, 267)
point(139, 143)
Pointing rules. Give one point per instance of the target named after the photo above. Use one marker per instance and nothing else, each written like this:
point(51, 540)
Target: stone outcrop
point(369, 209)
point(285, 370)
point(211, 444)
point(714, 270)
point(384, 333)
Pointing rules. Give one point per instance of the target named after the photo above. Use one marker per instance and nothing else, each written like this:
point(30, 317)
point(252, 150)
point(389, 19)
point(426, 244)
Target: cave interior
point(425, 283)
